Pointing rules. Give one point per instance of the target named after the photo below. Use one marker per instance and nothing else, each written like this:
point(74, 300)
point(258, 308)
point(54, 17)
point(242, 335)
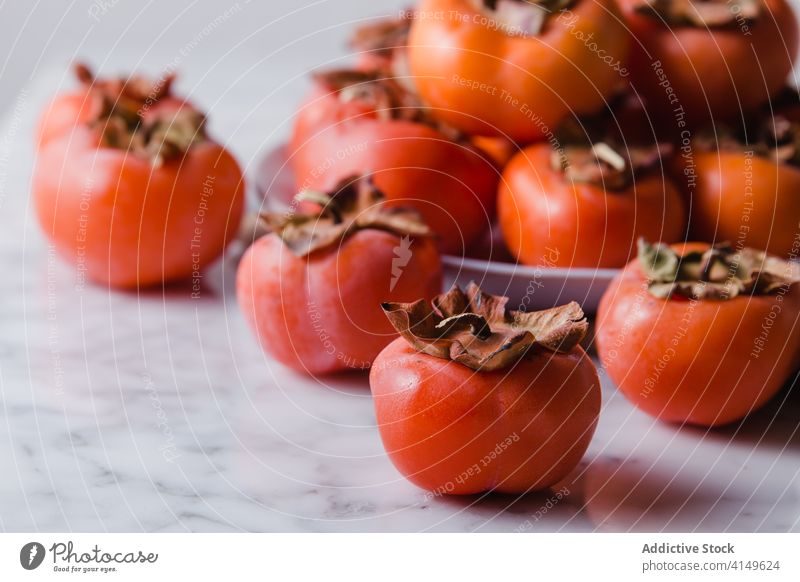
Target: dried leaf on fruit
point(719, 273)
point(475, 328)
point(355, 205)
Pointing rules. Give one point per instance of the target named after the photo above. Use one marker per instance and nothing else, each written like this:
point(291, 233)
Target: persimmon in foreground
point(130, 188)
point(476, 398)
point(311, 288)
point(700, 334)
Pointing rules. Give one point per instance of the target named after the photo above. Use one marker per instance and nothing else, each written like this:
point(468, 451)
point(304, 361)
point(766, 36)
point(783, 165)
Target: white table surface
point(156, 412)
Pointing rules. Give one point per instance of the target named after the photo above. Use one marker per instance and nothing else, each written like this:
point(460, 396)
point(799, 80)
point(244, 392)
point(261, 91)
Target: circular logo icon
point(31, 555)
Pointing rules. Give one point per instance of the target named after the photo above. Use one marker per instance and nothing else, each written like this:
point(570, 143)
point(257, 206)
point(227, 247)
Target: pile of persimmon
point(129, 186)
point(513, 77)
point(590, 112)
point(580, 128)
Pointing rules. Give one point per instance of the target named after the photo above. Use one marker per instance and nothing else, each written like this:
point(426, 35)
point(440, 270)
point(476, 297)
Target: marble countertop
point(157, 412)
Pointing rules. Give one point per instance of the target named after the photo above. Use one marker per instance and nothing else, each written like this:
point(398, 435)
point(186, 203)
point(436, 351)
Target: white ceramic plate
point(528, 287)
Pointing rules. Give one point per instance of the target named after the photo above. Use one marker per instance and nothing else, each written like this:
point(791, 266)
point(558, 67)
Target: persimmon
point(356, 122)
point(135, 196)
point(696, 60)
point(700, 334)
point(476, 398)
point(516, 68)
point(311, 288)
point(585, 202)
point(745, 191)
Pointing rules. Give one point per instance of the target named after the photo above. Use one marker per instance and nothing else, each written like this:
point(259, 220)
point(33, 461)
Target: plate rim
point(516, 269)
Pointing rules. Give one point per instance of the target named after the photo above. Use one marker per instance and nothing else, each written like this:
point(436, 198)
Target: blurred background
point(232, 56)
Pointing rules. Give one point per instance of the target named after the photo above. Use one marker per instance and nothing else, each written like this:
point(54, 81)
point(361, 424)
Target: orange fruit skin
point(450, 429)
point(321, 314)
point(64, 112)
point(486, 82)
point(697, 362)
point(499, 149)
point(746, 200)
point(129, 224)
point(548, 221)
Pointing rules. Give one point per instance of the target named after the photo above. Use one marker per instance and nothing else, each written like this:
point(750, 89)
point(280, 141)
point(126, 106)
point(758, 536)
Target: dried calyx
point(387, 39)
point(382, 37)
point(474, 328)
point(773, 136)
point(609, 166)
point(131, 93)
point(355, 205)
point(592, 155)
point(779, 139)
point(129, 119)
point(702, 13)
point(718, 273)
point(520, 17)
point(389, 99)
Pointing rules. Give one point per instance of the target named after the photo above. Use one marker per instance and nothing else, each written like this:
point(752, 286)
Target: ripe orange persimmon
point(133, 196)
point(765, 214)
point(745, 191)
point(355, 122)
point(698, 60)
point(474, 399)
point(698, 334)
point(586, 206)
point(516, 69)
point(311, 289)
